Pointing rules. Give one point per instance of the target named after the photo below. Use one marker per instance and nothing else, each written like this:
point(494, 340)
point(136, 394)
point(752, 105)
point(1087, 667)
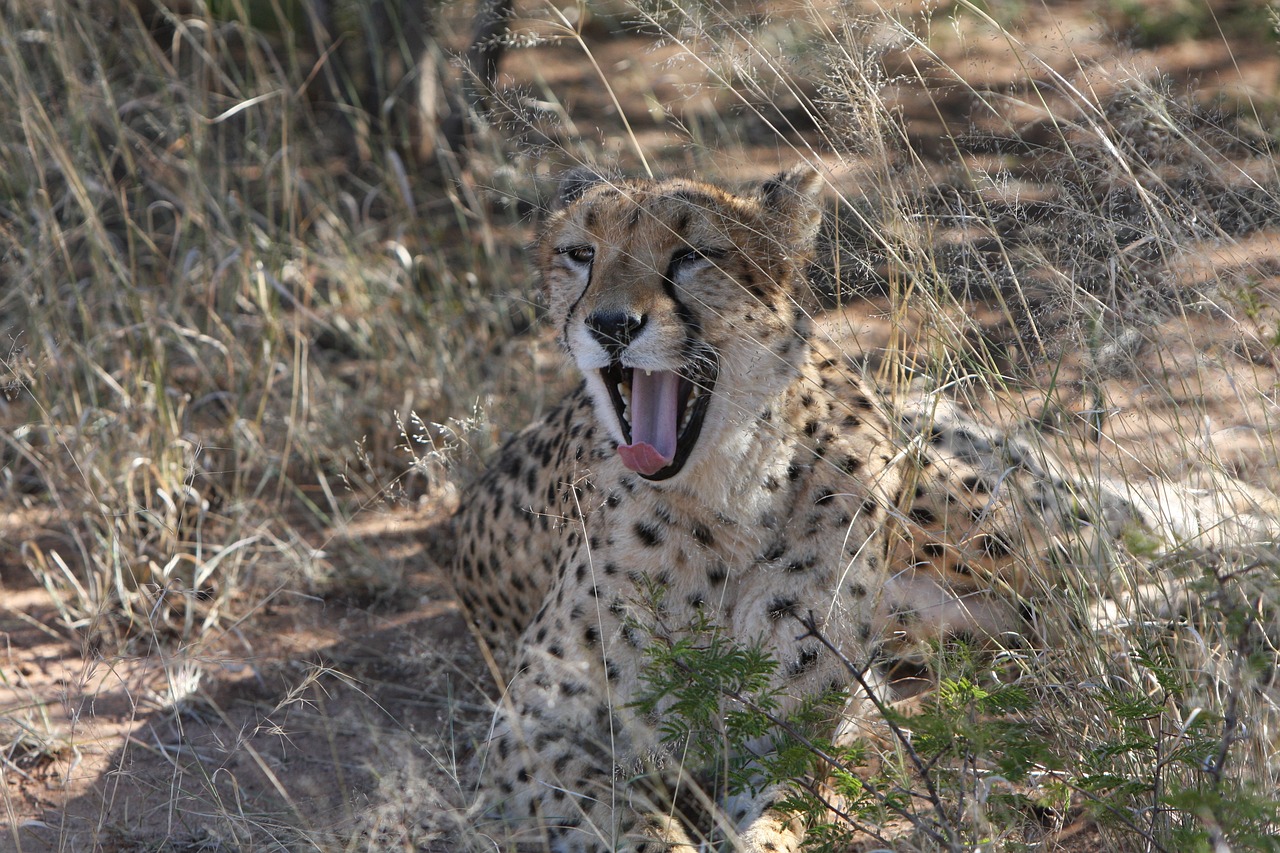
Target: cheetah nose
point(614, 330)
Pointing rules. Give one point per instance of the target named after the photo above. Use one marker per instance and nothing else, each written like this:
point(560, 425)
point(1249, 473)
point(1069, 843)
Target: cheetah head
point(676, 301)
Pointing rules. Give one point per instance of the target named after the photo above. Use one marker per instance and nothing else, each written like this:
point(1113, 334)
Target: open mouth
point(661, 414)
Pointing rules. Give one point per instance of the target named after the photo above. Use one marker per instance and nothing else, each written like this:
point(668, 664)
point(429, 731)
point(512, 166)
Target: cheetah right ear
point(790, 203)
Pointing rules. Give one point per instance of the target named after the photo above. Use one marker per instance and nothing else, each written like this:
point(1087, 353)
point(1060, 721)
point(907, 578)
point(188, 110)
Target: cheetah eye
point(581, 254)
point(689, 257)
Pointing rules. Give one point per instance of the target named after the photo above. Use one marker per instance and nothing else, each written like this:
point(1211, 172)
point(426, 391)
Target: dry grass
point(252, 345)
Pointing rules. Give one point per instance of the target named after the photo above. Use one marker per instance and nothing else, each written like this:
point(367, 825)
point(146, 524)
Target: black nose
point(614, 330)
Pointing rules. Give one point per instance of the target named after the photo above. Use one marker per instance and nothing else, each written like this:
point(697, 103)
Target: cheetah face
point(659, 383)
point(674, 300)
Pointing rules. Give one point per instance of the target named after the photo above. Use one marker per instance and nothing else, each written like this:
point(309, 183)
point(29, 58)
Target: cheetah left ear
point(575, 183)
point(790, 203)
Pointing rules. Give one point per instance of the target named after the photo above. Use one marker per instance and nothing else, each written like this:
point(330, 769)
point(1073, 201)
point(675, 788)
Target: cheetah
point(718, 471)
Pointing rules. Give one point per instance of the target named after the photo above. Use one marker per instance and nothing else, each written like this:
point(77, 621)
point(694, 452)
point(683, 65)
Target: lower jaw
point(663, 473)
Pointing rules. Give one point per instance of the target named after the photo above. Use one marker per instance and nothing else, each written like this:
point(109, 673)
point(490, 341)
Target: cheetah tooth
point(624, 393)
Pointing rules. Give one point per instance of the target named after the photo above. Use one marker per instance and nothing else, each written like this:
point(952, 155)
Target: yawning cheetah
point(717, 472)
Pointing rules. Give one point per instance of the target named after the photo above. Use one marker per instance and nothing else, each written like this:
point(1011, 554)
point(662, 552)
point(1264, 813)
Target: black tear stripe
point(692, 326)
point(568, 317)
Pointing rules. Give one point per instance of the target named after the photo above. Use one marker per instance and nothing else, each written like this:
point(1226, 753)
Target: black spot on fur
point(509, 465)
point(994, 546)
point(648, 535)
point(703, 536)
point(782, 606)
point(922, 516)
point(904, 614)
point(802, 565)
point(807, 661)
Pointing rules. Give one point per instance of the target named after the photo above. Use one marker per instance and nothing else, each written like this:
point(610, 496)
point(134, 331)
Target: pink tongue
point(653, 422)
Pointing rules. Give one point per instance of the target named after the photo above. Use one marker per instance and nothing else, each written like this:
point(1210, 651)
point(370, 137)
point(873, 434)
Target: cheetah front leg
point(813, 610)
point(567, 764)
